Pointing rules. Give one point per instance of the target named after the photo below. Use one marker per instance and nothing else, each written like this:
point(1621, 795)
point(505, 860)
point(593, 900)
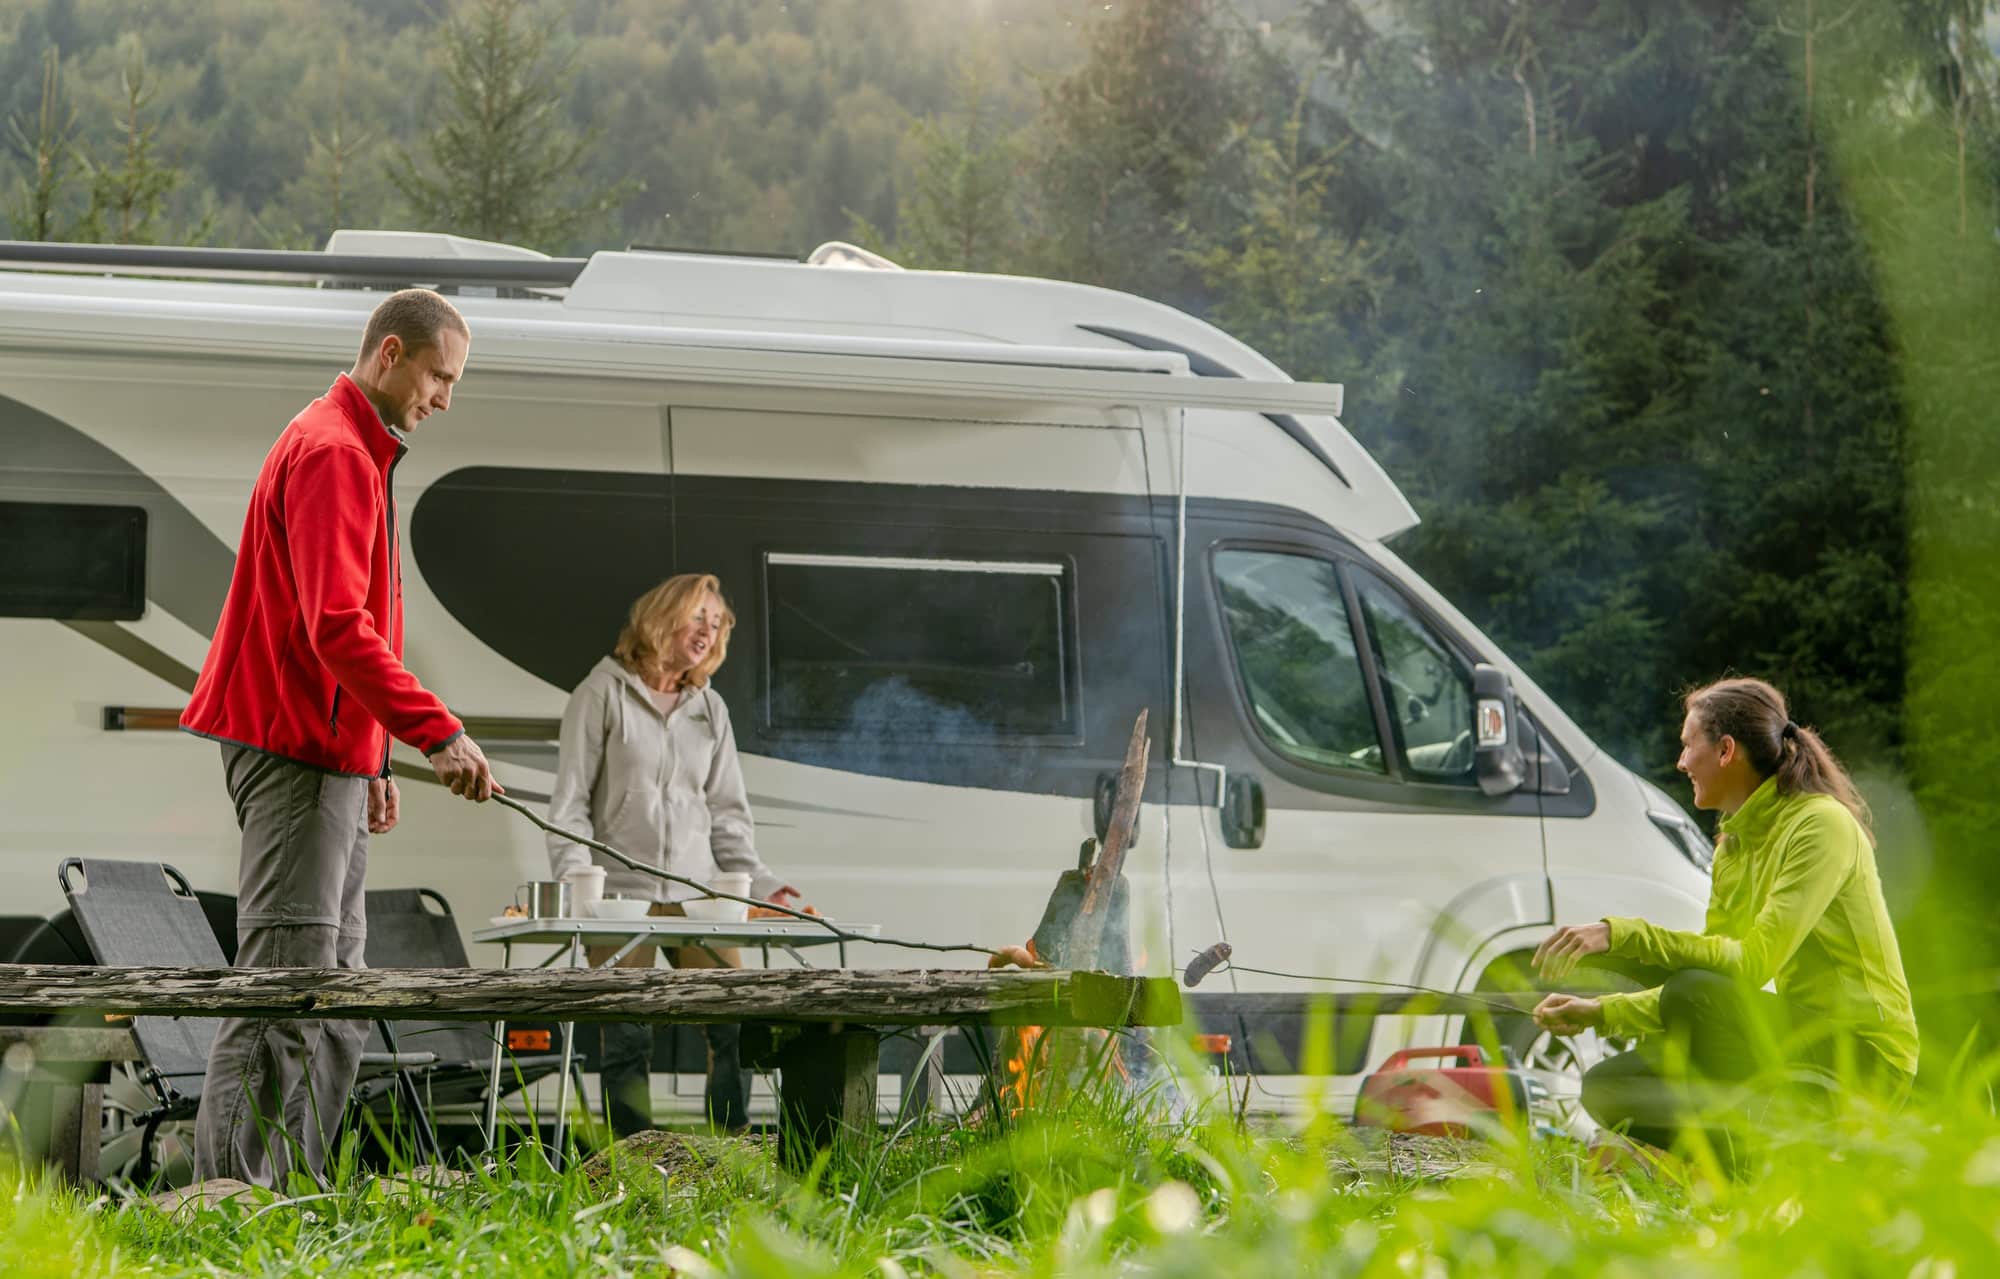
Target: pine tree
point(1130, 143)
point(47, 149)
point(961, 213)
point(503, 164)
point(128, 195)
point(1287, 278)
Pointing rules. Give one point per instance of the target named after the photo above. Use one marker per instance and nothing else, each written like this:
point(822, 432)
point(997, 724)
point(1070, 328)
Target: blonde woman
point(648, 765)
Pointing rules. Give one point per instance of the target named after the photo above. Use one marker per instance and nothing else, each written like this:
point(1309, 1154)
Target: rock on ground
point(208, 1194)
point(673, 1155)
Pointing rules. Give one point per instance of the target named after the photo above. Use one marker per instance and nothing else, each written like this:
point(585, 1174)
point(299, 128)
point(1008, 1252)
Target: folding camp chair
point(414, 928)
point(145, 914)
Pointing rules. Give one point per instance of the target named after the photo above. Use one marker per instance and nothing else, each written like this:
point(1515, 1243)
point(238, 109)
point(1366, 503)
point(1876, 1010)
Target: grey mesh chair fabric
point(414, 928)
point(145, 915)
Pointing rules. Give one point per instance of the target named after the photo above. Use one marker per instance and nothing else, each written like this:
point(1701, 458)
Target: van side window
point(1295, 651)
point(930, 649)
point(1429, 690)
point(72, 562)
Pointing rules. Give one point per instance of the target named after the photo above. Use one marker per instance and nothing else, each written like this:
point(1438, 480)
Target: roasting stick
point(633, 864)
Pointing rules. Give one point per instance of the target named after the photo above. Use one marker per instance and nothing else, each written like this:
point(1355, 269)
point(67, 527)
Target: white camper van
point(971, 525)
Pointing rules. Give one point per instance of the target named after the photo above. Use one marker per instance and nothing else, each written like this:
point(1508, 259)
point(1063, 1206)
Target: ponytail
point(1754, 714)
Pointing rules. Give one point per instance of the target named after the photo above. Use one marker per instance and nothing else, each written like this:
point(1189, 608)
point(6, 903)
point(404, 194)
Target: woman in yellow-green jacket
point(1795, 901)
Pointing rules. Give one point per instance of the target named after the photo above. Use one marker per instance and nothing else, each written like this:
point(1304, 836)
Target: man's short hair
point(415, 315)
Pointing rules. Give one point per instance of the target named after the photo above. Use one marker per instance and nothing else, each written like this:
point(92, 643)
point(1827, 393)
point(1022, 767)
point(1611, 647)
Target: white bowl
point(620, 908)
point(716, 910)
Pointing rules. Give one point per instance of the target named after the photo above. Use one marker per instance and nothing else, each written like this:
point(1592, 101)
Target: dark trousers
point(625, 1068)
point(625, 1056)
point(1717, 1035)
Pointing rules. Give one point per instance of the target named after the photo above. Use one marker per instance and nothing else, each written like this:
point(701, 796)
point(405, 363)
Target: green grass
point(1102, 1186)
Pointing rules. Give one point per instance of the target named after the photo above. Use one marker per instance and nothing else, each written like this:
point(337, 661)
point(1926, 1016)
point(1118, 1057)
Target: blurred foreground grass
point(1101, 1186)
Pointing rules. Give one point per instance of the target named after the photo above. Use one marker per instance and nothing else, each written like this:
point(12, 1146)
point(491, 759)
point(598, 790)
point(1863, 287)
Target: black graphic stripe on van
point(137, 651)
point(45, 459)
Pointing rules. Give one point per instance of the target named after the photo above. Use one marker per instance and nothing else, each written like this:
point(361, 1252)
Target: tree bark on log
point(913, 997)
point(1087, 931)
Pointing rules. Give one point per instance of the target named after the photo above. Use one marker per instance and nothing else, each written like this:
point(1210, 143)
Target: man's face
point(416, 384)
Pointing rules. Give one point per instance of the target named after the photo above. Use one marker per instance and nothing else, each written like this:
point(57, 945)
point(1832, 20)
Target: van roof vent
point(425, 244)
point(841, 253)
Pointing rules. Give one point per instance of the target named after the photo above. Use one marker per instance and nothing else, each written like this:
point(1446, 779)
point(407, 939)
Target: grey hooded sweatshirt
point(664, 790)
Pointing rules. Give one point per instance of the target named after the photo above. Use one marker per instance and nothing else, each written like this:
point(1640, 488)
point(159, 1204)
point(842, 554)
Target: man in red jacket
point(304, 685)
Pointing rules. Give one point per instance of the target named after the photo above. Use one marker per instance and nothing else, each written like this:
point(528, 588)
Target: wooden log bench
point(824, 1023)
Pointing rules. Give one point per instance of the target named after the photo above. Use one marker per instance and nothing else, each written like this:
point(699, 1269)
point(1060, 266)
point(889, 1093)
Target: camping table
point(572, 935)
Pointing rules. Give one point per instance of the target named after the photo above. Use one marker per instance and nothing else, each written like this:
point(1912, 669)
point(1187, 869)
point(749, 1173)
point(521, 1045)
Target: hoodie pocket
point(333, 716)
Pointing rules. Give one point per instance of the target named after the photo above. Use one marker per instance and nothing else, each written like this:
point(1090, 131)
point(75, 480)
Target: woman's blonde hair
point(660, 612)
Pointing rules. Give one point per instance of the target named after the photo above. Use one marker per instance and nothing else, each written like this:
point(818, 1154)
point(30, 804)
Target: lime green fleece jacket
point(1795, 898)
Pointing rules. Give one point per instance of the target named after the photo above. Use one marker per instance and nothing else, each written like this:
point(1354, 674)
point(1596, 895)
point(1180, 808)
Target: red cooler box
point(1441, 1101)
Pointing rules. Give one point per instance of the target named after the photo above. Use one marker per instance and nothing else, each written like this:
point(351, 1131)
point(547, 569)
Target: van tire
point(1555, 1063)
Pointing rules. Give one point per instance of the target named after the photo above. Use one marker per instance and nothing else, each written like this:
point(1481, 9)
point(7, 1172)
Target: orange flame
point(1015, 1091)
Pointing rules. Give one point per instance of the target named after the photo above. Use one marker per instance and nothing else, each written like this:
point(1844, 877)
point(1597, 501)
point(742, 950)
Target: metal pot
point(546, 899)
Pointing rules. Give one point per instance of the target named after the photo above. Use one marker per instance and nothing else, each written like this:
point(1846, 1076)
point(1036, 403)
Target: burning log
point(1084, 927)
point(1106, 876)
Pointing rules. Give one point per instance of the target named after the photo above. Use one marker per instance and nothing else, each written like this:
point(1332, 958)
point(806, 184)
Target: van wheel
point(1552, 1066)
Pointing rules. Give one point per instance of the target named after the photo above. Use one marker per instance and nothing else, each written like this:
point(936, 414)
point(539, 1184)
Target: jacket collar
point(633, 682)
point(373, 432)
point(1752, 822)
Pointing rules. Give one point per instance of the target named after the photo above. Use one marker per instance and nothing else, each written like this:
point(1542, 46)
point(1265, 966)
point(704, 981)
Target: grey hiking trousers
point(272, 1100)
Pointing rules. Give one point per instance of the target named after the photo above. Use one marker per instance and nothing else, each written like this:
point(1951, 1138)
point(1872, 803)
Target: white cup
point(586, 888)
point(731, 881)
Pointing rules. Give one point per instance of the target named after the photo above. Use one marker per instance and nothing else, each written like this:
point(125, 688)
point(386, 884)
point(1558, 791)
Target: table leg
point(826, 1089)
point(74, 1130)
point(568, 1053)
point(493, 1077)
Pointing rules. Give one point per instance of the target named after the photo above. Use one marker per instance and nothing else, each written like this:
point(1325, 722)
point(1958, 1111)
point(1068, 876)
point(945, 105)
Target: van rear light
point(1215, 1045)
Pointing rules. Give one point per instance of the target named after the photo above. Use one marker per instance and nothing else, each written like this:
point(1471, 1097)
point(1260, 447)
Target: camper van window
point(928, 649)
point(1428, 688)
point(1295, 652)
point(72, 562)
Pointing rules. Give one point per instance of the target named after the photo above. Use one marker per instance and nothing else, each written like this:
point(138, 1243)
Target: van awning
point(159, 327)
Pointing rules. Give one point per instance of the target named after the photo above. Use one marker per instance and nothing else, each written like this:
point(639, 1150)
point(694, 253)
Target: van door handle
point(1243, 812)
point(1103, 798)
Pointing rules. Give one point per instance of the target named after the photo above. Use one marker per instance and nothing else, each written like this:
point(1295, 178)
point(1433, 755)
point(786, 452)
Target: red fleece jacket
point(307, 660)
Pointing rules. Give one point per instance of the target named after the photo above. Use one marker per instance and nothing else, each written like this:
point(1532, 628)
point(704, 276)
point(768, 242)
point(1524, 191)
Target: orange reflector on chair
point(528, 1041)
point(1211, 1043)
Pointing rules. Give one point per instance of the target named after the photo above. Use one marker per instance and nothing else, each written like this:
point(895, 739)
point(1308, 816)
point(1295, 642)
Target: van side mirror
point(1496, 732)
point(1243, 812)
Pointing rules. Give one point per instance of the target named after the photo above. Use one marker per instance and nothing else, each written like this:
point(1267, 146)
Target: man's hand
point(462, 766)
point(1568, 1014)
point(385, 805)
point(783, 895)
point(1559, 952)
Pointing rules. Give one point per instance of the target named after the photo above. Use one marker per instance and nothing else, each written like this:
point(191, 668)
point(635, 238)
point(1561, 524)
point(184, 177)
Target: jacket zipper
point(333, 719)
point(395, 574)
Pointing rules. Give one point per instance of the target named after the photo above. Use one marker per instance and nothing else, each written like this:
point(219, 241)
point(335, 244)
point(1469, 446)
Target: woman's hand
point(1559, 952)
point(1568, 1014)
point(783, 895)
